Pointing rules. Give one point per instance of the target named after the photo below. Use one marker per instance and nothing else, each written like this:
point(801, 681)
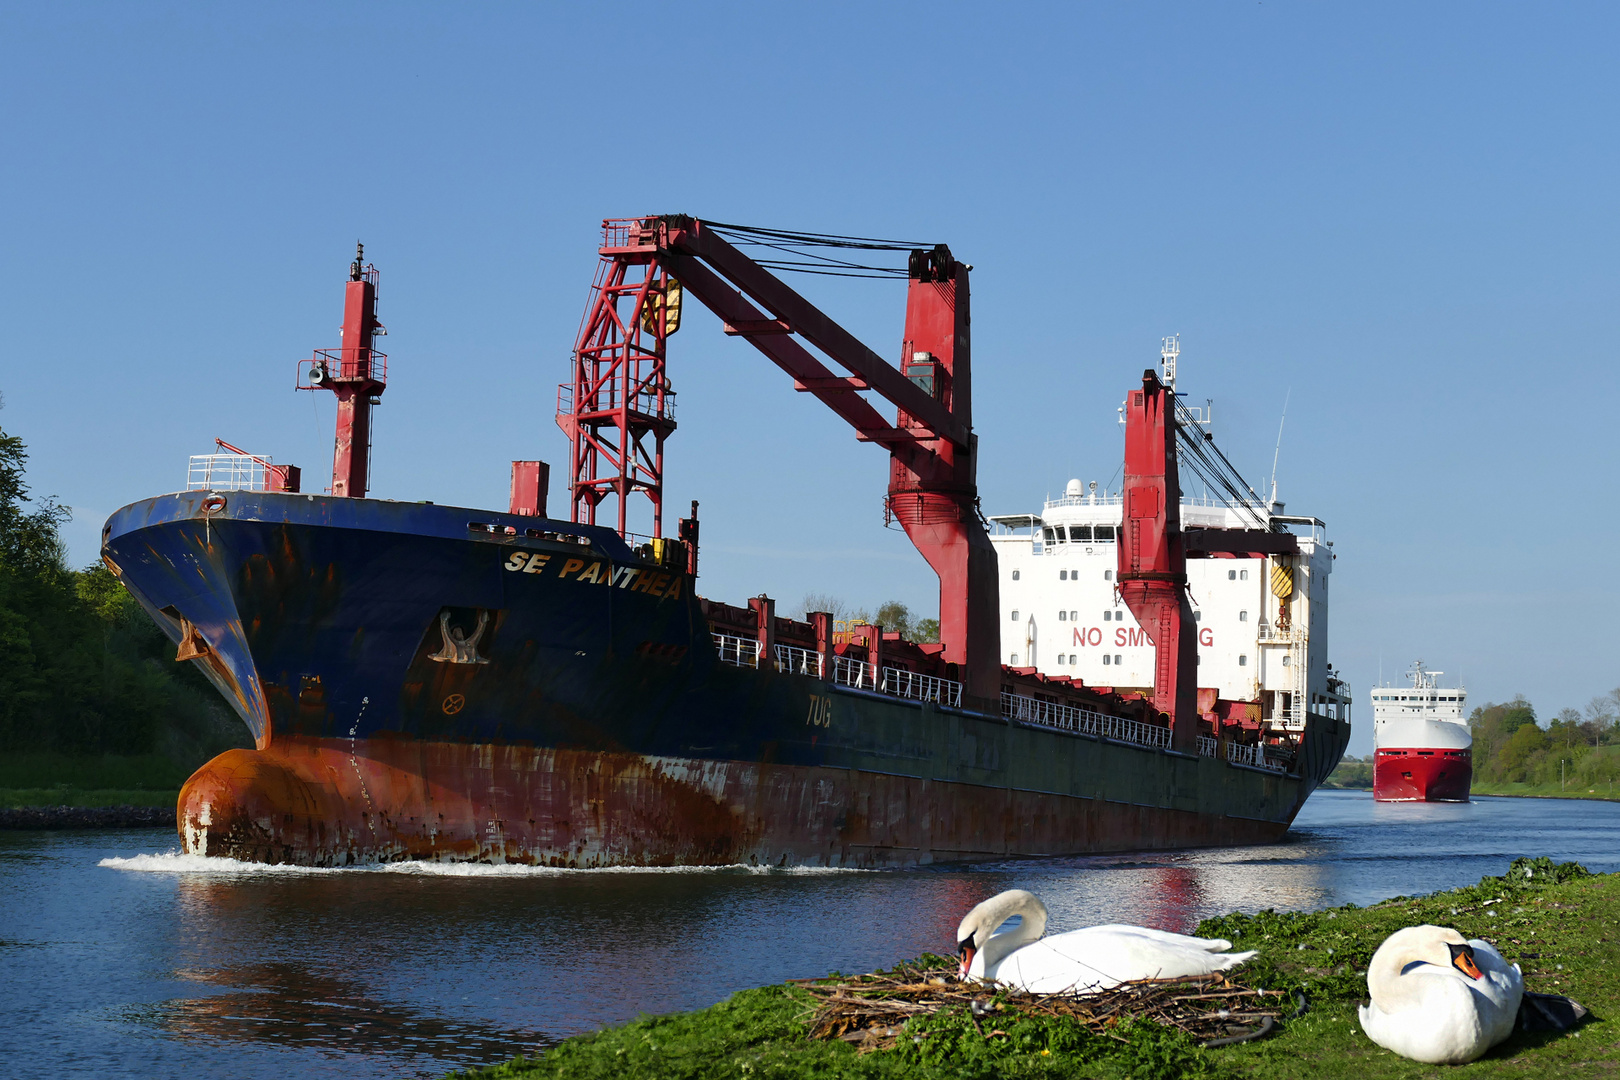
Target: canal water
point(122, 958)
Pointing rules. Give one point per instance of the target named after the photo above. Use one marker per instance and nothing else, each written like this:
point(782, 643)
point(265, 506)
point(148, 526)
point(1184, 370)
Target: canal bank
point(1561, 925)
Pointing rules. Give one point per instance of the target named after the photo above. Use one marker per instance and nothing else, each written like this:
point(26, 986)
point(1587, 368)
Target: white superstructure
point(1261, 622)
point(1424, 715)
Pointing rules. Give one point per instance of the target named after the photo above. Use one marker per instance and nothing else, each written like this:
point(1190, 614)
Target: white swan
point(1439, 999)
point(1080, 961)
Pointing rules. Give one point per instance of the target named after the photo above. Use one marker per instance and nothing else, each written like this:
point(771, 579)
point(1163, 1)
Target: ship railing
point(797, 661)
point(848, 671)
point(226, 472)
point(744, 652)
point(1028, 710)
point(910, 684)
point(1239, 754)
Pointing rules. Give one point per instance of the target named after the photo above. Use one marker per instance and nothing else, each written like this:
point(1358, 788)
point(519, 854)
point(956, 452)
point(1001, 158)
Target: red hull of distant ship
point(1417, 775)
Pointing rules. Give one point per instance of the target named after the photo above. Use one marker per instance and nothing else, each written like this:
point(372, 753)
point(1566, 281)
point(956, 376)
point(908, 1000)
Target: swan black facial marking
point(1462, 958)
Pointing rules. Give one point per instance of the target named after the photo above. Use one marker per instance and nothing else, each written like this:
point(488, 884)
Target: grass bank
point(1606, 790)
point(1562, 928)
point(51, 779)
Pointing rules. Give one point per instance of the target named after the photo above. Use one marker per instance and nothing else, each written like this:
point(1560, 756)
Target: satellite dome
point(1074, 489)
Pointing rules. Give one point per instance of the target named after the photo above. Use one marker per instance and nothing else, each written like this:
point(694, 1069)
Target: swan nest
point(870, 1011)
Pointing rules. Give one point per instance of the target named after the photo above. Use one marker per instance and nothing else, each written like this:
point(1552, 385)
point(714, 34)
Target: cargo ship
point(433, 682)
point(1422, 748)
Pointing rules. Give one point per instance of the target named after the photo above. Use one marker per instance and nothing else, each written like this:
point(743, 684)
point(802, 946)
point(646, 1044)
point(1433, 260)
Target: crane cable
point(791, 242)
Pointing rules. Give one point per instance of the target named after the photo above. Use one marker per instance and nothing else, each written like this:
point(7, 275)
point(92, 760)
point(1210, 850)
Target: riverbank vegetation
point(1577, 753)
point(1561, 924)
point(1352, 772)
point(92, 704)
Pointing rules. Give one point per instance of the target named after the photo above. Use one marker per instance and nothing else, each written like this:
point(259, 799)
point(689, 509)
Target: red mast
point(357, 374)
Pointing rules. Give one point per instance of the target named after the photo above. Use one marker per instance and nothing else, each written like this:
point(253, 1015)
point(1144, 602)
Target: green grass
point(48, 779)
point(110, 772)
point(1570, 922)
point(69, 796)
point(1605, 790)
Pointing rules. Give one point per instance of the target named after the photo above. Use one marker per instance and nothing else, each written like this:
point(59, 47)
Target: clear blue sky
point(1403, 215)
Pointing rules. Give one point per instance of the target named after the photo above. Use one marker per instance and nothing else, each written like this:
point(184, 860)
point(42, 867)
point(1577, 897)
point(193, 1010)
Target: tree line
point(83, 669)
point(892, 615)
point(1579, 747)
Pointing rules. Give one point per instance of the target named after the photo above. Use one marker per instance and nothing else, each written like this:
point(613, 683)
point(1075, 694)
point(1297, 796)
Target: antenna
point(1278, 454)
point(1168, 351)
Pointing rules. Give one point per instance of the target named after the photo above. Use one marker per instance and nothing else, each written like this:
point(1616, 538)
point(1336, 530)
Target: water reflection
point(292, 1005)
point(119, 971)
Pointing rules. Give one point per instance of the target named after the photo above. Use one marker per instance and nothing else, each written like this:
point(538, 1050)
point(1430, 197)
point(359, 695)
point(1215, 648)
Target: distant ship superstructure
point(1423, 750)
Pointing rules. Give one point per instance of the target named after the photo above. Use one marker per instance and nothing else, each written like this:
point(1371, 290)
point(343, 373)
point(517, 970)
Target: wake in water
point(175, 862)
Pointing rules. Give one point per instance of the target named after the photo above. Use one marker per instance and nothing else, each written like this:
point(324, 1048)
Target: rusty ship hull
point(428, 682)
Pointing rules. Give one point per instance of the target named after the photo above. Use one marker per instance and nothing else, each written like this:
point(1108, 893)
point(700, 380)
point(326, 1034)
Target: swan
point(1079, 961)
point(1438, 998)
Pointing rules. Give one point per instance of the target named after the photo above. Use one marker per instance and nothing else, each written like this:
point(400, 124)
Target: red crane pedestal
point(1152, 575)
point(357, 374)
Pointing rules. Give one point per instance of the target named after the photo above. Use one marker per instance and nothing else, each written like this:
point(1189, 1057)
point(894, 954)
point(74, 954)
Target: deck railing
point(909, 684)
point(1239, 754)
point(857, 673)
point(1028, 710)
point(797, 661)
point(744, 652)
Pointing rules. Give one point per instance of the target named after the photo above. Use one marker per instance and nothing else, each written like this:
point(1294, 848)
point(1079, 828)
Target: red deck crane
point(618, 408)
point(1153, 551)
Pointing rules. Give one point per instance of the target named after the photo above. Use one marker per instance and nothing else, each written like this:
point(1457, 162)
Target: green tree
point(1492, 726)
point(84, 671)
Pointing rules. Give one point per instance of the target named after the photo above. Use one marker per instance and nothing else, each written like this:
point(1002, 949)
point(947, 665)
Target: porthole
point(1231, 575)
point(1015, 615)
point(1198, 616)
point(1063, 616)
point(1108, 575)
point(1107, 660)
point(1118, 659)
point(1243, 661)
point(1014, 659)
point(1063, 575)
point(1243, 616)
point(1015, 575)
point(1286, 659)
point(1074, 616)
point(1243, 575)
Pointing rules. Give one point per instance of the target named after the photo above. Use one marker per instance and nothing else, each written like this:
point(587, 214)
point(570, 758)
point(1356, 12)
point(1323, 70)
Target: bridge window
point(1079, 532)
point(1103, 532)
